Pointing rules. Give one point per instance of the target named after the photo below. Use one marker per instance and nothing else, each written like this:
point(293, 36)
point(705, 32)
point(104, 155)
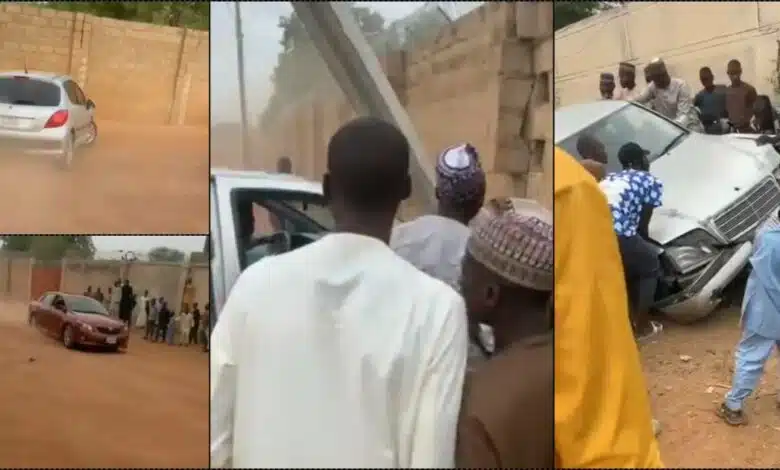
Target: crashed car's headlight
point(691, 250)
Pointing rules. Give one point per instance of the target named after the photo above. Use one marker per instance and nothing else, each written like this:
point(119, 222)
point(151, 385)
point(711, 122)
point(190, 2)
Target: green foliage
point(194, 15)
point(299, 63)
point(167, 255)
point(50, 247)
point(567, 13)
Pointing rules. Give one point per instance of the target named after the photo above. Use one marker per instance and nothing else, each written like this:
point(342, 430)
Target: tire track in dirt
point(136, 179)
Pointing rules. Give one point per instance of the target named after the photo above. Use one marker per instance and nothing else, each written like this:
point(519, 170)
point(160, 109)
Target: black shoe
point(732, 417)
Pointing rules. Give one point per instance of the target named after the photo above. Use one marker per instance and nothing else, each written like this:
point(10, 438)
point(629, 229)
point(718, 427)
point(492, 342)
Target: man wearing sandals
point(760, 322)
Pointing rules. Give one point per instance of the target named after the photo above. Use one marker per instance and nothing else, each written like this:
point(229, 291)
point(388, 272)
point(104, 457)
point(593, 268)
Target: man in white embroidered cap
point(435, 244)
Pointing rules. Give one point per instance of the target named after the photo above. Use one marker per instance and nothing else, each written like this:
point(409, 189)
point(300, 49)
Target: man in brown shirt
point(507, 416)
point(740, 97)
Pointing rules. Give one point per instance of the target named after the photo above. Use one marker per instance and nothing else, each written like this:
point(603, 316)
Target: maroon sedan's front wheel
point(68, 339)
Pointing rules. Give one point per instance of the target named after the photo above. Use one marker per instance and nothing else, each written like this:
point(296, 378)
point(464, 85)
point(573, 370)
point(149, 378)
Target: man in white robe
point(341, 353)
point(436, 243)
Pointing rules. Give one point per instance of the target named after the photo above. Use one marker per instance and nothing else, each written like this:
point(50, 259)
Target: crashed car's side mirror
point(90, 104)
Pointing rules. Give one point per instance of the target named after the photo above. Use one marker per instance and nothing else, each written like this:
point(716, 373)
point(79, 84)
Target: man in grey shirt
point(671, 97)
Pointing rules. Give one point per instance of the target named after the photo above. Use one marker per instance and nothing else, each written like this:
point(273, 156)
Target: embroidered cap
point(459, 175)
point(513, 238)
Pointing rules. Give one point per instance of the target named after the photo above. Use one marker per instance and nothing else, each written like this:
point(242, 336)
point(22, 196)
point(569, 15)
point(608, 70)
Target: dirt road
point(145, 408)
point(134, 180)
point(685, 393)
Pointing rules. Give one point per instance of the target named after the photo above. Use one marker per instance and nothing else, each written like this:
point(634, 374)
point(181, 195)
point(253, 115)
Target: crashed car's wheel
point(68, 150)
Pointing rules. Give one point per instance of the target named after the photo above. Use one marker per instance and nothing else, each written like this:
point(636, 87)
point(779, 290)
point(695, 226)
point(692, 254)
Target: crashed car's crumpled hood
point(703, 175)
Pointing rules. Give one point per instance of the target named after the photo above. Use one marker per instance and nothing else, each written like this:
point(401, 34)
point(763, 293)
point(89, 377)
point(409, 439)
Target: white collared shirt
point(338, 354)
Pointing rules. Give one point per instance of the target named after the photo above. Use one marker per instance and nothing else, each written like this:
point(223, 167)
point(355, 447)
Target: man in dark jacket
point(126, 302)
point(163, 317)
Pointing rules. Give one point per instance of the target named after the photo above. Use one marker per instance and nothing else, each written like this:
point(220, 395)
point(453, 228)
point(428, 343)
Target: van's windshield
point(631, 123)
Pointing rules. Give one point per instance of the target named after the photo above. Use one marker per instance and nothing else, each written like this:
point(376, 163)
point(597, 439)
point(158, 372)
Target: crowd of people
point(184, 326)
point(376, 355)
point(715, 109)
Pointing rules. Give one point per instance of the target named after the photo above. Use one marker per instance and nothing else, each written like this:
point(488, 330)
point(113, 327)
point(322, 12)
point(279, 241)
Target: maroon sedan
point(77, 320)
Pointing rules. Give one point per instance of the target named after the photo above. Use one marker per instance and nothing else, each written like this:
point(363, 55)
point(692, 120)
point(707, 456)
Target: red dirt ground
point(144, 408)
point(685, 393)
point(136, 179)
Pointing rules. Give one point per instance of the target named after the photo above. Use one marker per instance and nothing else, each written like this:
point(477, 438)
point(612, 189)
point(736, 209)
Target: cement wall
point(486, 79)
point(135, 72)
point(686, 35)
point(160, 279)
point(23, 278)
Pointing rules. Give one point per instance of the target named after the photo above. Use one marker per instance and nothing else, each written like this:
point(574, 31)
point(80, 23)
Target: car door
point(78, 109)
point(89, 113)
point(59, 318)
point(43, 315)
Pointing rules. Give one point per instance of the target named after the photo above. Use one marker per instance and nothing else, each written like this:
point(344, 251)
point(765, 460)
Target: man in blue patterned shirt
point(632, 195)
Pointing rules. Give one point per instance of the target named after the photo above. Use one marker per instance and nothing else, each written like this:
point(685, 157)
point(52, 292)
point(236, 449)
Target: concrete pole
point(354, 65)
point(242, 89)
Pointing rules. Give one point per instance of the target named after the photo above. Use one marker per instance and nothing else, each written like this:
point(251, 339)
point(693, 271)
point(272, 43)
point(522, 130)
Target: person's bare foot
point(656, 427)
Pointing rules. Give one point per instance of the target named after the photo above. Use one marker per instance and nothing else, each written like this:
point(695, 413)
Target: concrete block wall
point(744, 31)
point(485, 79)
point(135, 72)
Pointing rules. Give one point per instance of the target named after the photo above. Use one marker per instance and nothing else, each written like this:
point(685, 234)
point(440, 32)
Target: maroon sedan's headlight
point(85, 327)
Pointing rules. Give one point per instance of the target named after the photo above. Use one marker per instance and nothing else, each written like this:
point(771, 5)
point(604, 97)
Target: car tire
point(68, 154)
point(94, 132)
point(67, 337)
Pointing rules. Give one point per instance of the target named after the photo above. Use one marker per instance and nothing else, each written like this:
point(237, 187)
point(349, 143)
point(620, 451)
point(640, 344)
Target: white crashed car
point(717, 190)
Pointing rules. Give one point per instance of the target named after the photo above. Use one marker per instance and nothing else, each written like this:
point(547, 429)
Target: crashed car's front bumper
point(702, 296)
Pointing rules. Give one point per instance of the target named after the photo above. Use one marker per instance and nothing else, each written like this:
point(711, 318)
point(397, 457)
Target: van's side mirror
point(90, 104)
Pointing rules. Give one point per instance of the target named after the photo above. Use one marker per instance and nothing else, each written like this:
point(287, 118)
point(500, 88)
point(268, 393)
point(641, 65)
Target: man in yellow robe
point(602, 410)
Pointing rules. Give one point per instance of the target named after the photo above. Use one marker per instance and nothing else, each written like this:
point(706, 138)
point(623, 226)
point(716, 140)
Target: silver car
point(45, 114)
point(717, 190)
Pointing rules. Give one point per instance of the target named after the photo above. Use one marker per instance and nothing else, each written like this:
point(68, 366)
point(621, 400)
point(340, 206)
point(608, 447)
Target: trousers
point(750, 358)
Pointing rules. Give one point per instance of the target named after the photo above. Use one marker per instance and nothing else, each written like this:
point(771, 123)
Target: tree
point(299, 65)
point(567, 13)
point(50, 247)
point(195, 15)
point(167, 255)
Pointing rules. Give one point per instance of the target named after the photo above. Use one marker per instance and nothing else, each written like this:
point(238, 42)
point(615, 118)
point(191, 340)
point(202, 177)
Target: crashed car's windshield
point(631, 123)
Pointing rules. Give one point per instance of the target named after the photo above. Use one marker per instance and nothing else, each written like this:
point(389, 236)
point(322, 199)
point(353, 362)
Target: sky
point(142, 243)
point(261, 47)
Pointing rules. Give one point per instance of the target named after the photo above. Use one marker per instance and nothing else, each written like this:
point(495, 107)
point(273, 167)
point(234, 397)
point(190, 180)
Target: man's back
point(434, 244)
point(344, 355)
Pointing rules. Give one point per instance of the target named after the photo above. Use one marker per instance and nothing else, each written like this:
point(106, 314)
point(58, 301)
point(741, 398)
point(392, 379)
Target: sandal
point(657, 329)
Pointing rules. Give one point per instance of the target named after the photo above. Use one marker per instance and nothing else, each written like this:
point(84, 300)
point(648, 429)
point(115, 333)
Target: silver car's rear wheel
point(91, 134)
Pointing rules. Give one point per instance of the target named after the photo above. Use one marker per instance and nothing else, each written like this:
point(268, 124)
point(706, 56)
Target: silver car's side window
point(82, 97)
point(69, 90)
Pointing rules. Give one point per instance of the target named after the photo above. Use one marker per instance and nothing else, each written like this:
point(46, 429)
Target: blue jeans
point(752, 353)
